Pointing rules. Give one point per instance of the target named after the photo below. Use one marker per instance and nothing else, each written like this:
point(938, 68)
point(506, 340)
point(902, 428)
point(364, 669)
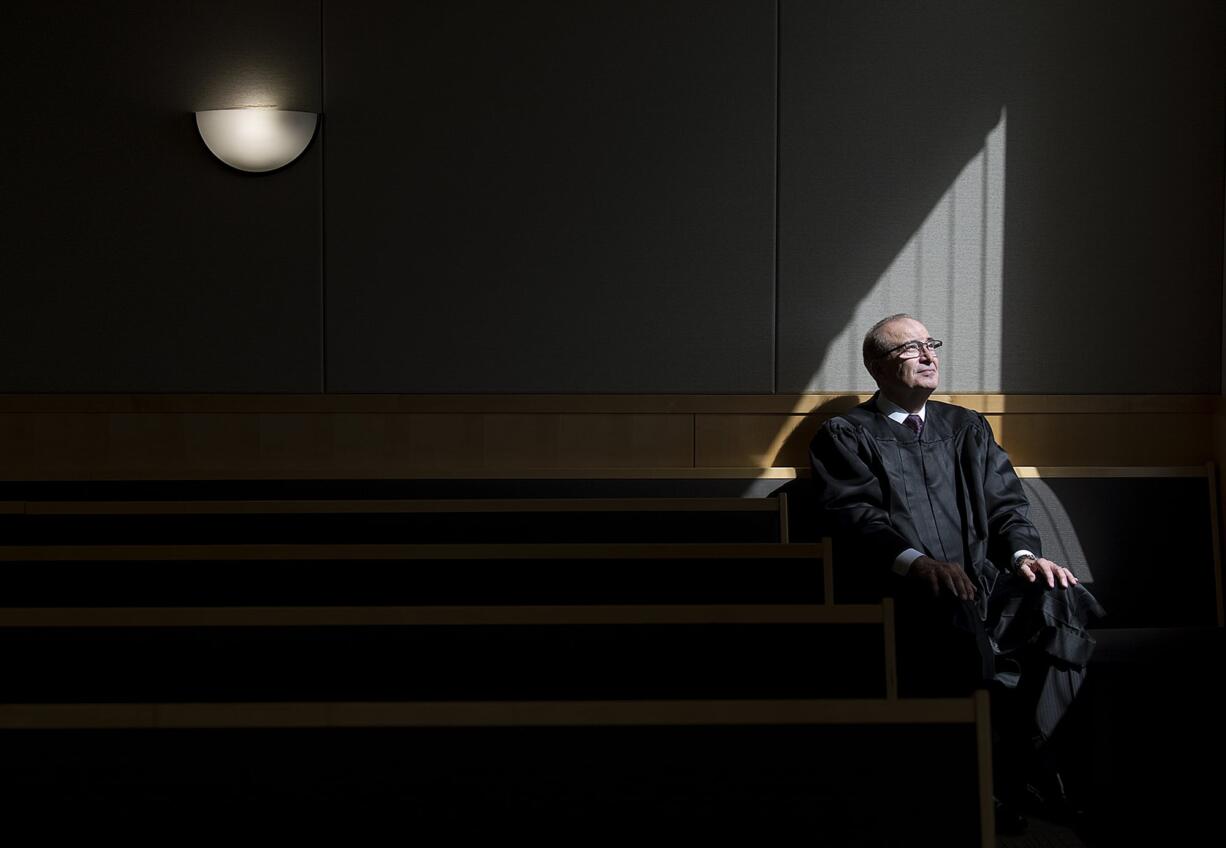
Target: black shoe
point(1009, 822)
point(1045, 798)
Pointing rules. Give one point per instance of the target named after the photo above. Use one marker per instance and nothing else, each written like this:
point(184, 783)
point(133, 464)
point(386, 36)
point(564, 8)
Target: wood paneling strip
point(50, 437)
point(1106, 439)
point(487, 714)
point(372, 507)
point(1079, 439)
point(206, 553)
point(1112, 471)
point(528, 404)
point(384, 616)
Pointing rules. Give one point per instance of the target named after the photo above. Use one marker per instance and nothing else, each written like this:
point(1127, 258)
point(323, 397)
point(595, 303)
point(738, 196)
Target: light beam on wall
point(1056, 529)
point(949, 275)
point(256, 139)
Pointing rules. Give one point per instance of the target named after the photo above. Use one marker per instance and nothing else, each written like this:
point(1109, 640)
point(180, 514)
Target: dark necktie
point(915, 423)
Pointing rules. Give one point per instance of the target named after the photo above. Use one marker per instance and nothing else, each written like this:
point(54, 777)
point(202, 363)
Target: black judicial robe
point(951, 493)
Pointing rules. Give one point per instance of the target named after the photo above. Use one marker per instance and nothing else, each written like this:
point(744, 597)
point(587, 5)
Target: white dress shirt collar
point(895, 412)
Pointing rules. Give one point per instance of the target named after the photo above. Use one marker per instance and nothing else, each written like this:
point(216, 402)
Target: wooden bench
point(720, 637)
point(1098, 521)
point(1145, 541)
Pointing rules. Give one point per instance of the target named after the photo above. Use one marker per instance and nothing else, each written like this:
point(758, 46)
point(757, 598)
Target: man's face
point(904, 377)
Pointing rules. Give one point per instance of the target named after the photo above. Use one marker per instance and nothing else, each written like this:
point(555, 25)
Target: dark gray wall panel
point(550, 197)
point(561, 197)
point(132, 259)
point(1033, 179)
point(1114, 213)
point(883, 105)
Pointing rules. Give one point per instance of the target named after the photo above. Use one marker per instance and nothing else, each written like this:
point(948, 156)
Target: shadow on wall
point(895, 192)
point(948, 274)
point(790, 445)
point(892, 167)
point(892, 186)
point(789, 448)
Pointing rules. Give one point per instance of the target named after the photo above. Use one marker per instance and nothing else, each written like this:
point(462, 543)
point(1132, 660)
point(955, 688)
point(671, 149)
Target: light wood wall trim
point(1137, 439)
point(1052, 471)
point(983, 745)
point(785, 532)
point(1055, 438)
point(827, 544)
point(421, 404)
point(891, 651)
point(391, 552)
point(487, 714)
point(1214, 522)
point(457, 616)
point(795, 404)
point(269, 437)
point(374, 507)
point(344, 473)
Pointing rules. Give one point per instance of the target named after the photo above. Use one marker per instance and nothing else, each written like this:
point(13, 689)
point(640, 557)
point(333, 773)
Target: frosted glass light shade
point(256, 139)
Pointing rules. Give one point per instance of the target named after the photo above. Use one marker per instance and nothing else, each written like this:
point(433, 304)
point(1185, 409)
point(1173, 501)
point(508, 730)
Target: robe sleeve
point(1009, 525)
point(849, 496)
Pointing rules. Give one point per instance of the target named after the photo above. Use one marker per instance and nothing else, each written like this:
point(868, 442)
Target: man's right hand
point(943, 577)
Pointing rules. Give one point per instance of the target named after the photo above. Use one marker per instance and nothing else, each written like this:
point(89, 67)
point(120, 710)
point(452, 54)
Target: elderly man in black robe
point(922, 500)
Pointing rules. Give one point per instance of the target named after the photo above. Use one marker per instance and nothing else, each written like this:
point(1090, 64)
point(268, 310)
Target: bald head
point(908, 381)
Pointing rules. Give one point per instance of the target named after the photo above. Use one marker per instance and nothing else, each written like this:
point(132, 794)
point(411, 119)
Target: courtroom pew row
point(729, 638)
point(1161, 501)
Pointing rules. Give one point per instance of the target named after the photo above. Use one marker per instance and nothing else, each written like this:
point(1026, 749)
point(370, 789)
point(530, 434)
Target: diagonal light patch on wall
point(1060, 541)
point(949, 275)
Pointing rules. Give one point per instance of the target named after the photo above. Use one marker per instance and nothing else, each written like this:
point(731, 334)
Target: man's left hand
point(1031, 568)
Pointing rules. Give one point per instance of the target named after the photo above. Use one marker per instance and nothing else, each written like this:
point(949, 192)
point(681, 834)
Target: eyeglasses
point(911, 350)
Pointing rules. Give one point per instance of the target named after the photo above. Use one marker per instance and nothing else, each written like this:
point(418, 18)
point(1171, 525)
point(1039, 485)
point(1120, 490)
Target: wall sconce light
point(256, 139)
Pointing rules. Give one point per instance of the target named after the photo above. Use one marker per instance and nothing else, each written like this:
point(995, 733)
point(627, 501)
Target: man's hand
point(1031, 568)
point(943, 576)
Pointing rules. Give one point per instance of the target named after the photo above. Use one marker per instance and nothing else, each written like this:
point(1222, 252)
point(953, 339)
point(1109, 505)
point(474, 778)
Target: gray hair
point(875, 346)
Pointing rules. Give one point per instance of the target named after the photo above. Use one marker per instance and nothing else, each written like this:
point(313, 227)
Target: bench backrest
point(1143, 540)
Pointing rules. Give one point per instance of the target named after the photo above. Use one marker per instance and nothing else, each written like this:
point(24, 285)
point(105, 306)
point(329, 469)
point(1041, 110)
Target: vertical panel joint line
point(889, 638)
point(784, 532)
point(1216, 537)
point(983, 738)
point(778, 143)
point(323, 239)
point(827, 571)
